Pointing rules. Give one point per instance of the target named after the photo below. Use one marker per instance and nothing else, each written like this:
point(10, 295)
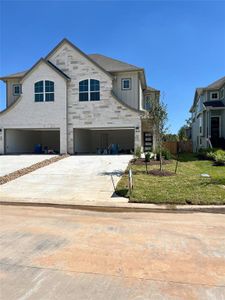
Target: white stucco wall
point(26, 113)
point(107, 112)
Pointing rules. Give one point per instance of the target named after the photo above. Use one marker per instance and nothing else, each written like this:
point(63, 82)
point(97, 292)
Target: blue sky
point(181, 44)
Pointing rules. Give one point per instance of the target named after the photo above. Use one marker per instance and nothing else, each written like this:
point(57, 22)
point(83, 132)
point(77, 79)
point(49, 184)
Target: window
point(89, 90)
point(44, 91)
point(49, 90)
point(16, 89)
point(147, 102)
point(126, 84)
point(214, 95)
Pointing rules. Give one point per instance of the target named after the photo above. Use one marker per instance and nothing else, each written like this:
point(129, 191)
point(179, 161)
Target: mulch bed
point(24, 171)
point(141, 162)
point(161, 173)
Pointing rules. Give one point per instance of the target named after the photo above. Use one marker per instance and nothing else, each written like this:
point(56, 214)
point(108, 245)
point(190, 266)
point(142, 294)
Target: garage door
point(18, 141)
point(98, 141)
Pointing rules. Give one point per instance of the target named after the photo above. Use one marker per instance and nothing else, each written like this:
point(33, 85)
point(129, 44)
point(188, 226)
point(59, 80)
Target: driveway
point(12, 163)
point(48, 253)
point(73, 179)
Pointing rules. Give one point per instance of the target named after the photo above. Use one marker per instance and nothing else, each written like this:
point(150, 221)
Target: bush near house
point(218, 157)
point(186, 187)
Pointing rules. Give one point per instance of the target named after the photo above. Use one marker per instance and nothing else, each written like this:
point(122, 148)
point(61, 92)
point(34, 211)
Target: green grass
point(186, 187)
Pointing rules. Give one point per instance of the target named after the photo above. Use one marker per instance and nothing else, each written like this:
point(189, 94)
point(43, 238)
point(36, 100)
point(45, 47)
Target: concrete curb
point(121, 207)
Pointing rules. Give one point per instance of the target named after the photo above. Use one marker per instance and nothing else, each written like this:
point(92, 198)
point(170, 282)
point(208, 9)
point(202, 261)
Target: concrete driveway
point(12, 163)
point(48, 253)
point(73, 179)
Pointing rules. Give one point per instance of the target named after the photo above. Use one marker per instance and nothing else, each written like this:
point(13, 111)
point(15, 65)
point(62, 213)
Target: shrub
point(138, 152)
point(147, 156)
point(165, 153)
point(218, 156)
point(204, 154)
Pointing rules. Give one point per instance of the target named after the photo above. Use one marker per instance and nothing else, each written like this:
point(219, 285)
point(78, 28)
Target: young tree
point(159, 117)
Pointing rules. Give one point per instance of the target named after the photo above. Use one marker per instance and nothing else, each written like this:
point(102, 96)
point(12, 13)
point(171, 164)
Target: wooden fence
point(182, 146)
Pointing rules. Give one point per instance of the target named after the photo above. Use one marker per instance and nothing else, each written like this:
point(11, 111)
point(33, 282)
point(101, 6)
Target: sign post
point(130, 183)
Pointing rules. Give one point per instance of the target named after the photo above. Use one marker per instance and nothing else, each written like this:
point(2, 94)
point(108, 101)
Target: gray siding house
point(208, 116)
point(71, 102)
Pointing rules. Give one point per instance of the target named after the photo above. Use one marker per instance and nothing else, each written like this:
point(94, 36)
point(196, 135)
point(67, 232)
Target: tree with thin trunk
point(159, 117)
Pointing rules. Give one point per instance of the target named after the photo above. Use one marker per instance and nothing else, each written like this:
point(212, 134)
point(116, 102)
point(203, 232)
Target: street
point(52, 253)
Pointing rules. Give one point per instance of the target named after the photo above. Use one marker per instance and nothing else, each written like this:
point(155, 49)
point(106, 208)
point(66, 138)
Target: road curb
point(123, 207)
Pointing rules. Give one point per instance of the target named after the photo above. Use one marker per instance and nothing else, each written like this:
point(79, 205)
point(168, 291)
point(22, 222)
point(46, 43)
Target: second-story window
point(214, 95)
point(147, 102)
point(16, 89)
point(126, 84)
point(44, 91)
point(89, 90)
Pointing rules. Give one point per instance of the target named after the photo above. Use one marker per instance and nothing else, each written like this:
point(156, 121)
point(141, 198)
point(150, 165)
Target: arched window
point(89, 90)
point(39, 91)
point(44, 91)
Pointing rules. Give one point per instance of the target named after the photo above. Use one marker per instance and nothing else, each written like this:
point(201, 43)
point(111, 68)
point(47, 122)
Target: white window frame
point(122, 83)
point(211, 93)
point(20, 89)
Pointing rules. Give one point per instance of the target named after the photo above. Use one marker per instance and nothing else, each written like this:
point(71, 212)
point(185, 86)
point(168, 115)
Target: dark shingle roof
point(111, 64)
point(214, 103)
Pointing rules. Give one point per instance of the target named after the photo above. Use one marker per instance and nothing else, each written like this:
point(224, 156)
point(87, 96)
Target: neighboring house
point(72, 102)
point(208, 116)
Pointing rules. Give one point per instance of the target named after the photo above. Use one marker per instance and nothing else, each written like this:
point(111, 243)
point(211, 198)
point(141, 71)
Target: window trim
point(44, 93)
point(20, 89)
point(216, 92)
point(89, 92)
point(122, 84)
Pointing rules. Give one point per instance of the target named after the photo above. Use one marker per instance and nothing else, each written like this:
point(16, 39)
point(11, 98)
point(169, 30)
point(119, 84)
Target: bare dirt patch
point(142, 162)
point(161, 173)
point(11, 176)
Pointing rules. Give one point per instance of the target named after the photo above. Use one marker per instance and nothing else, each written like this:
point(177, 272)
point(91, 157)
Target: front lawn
point(186, 187)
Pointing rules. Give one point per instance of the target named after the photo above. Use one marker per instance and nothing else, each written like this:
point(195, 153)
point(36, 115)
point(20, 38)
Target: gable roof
point(111, 64)
point(15, 75)
point(53, 67)
point(213, 86)
point(107, 64)
point(216, 84)
point(22, 75)
point(65, 41)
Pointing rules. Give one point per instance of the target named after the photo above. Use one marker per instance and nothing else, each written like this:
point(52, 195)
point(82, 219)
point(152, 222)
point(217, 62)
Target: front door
point(215, 127)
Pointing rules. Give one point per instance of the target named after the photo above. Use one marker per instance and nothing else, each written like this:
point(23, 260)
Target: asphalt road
point(48, 253)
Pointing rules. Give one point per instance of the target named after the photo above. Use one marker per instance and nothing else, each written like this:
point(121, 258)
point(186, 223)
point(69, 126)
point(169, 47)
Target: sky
point(180, 44)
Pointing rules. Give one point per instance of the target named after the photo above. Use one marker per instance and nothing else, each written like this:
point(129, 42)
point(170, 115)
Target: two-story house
point(71, 102)
point(208, 116)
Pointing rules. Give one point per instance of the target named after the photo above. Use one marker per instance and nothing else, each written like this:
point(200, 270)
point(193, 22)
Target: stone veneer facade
point(109, 112)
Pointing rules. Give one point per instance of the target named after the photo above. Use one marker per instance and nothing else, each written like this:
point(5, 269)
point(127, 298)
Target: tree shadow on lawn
point(186, 157)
